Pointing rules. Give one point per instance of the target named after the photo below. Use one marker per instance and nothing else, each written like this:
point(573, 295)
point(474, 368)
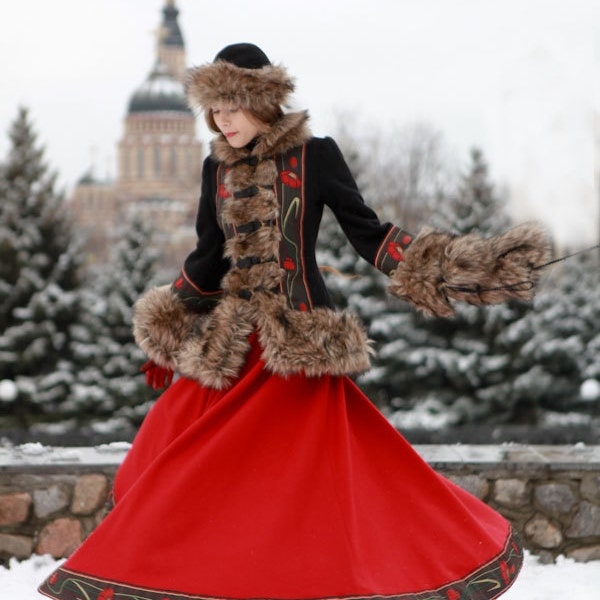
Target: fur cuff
point(161, 322)
point(439, 268)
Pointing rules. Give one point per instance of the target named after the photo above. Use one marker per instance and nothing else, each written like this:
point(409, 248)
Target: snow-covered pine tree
point(587, 287)
point(109, 382)
point(559, 343)
point(39, 279)
point(475, 207)
point(440, 369)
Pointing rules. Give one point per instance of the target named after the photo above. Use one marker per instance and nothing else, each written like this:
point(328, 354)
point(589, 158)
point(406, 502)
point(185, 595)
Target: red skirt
point(284, 488)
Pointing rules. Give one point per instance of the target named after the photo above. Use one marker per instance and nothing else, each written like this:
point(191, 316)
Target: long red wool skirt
point(284, 488)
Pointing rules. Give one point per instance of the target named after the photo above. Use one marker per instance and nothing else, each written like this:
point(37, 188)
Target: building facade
point(159, 161)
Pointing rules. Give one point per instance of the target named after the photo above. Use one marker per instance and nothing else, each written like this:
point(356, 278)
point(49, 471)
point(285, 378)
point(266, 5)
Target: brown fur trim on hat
point(252, 89)
point(160, 324)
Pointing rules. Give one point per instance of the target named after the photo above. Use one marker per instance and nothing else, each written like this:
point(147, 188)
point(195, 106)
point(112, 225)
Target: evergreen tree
point(39, 278)
point(558, 343)
point(475, 207)
point(446, 365)
point(109, 383)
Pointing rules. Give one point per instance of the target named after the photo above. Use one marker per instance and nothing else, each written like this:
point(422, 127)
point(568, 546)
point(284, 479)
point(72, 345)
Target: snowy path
point(565, 579)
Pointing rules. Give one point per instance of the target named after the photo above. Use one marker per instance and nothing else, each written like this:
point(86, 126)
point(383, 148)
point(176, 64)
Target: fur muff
point(495, 270)
point(161, 323)
point(439, 268)
point(254, 89)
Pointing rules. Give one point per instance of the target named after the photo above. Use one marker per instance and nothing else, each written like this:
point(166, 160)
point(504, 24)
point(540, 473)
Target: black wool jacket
point(254, 268)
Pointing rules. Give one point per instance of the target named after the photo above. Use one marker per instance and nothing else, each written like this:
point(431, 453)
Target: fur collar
point(290, 131)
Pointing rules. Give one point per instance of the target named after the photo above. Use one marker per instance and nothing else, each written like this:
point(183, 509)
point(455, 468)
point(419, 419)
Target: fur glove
point(161, 323)
point(439, 268)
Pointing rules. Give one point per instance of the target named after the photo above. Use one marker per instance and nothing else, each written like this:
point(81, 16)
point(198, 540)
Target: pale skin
point(237, 125)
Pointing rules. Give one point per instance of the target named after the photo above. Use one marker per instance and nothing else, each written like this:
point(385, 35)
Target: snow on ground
point(565, 579)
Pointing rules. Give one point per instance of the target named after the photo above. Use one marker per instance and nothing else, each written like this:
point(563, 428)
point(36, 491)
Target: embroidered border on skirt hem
point(487, 582)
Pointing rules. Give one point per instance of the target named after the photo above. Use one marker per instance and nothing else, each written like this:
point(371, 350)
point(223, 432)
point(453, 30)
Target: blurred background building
point(159, 161)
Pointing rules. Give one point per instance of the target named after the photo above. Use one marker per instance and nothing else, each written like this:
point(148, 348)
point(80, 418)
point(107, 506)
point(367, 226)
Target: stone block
point(555, 499)
point(590, 488)
point(60, 538)
point(50, 501)
point(542, 532)
point(586, 521)
point(511, 492)
point(90, 494)
point(19, 546)
point(478, 486)
point(14, 508)
point(585, 553)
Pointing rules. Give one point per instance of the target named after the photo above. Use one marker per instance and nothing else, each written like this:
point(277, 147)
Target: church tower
point(171, 49)
point(159, 159)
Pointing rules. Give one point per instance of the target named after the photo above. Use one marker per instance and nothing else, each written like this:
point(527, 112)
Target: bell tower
point(171, 48)
point(159, 159)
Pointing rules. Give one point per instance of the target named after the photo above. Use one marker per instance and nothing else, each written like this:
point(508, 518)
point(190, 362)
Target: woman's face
point(238, 126)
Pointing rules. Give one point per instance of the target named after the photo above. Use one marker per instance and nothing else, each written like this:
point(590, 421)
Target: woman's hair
point(266, 115)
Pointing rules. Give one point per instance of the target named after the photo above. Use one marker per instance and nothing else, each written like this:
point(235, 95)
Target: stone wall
point(52, 498)
point(551, 494)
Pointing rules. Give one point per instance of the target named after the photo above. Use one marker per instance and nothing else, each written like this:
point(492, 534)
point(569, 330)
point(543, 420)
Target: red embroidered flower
point(289, 264)
point(291, 179)
point(53, 578)
point(223, 191)
point(107, 594)
point(303, 307)
point(452, 594)
point(395, 251)
point(504, 572)
point(406, 240)
point(179, 283)
point(293, 162)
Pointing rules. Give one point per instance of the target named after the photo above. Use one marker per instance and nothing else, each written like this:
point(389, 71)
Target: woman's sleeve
point(199, 283)
point(381, 244)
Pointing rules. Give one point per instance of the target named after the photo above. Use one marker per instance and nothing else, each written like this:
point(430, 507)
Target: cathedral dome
point(160, 92)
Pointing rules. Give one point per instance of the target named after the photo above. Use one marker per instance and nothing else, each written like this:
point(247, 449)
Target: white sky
point(518, 78)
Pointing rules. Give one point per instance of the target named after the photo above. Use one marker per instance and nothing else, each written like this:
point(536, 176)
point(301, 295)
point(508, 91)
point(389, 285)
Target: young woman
point(263, 471)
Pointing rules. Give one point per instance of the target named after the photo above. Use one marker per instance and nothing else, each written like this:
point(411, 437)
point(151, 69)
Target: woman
point(263, 471)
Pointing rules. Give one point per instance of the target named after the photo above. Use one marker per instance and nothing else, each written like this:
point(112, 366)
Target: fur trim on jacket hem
point(212, 348)
point(160, 324)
